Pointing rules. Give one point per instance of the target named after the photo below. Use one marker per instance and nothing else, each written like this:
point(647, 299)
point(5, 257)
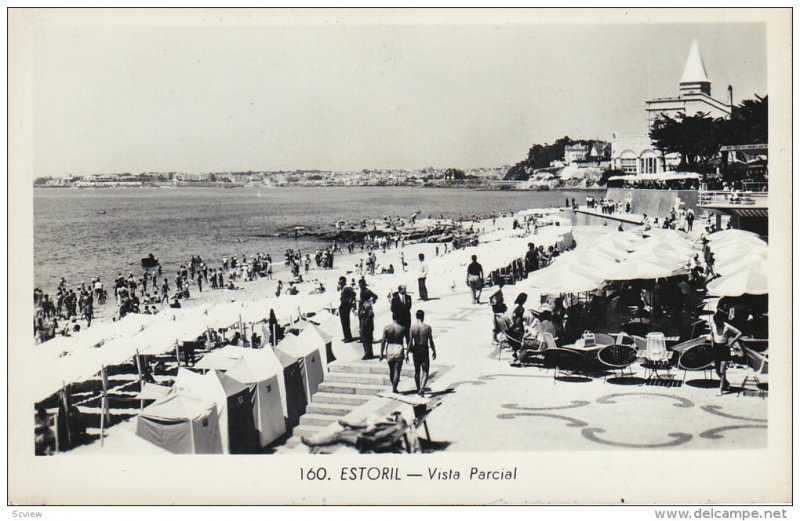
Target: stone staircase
point(347, 386)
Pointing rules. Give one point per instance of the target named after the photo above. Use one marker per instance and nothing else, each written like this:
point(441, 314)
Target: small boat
point(149, 262)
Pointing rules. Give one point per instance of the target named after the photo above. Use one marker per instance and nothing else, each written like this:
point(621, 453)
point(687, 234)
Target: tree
point(454, 173)
point(698, 138)
point(749, 123)
point(695, 138)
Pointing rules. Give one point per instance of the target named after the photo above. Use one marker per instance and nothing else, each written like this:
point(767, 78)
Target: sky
point(343, 97)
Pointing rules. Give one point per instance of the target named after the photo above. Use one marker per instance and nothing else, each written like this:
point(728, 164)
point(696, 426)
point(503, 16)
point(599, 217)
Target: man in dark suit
point(401, 307)
point(347, 304)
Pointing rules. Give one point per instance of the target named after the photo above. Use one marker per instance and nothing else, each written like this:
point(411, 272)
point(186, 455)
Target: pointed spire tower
point(694, 79)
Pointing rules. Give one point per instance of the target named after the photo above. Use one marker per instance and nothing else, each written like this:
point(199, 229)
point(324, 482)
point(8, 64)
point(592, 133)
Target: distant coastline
point(496, 186)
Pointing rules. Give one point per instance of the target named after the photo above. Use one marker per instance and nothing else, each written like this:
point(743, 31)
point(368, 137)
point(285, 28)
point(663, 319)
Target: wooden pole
point(141, 383)
point(177, 354)
point(65, 401)
point(55, 429)
point(103, 405)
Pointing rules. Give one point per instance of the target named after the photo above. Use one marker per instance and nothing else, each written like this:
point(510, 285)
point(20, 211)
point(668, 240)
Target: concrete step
point(368, 367)
point(333, 409)
point(359, 378)
point(320, 420)
point(343, 399)
point(292, 442)
point(347, 388)
point(305, 430)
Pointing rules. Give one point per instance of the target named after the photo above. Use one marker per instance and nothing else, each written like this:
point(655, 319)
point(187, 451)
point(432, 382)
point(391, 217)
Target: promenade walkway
point(488, 405)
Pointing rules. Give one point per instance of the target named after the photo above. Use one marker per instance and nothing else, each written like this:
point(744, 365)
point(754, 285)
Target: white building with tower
point(635, 153)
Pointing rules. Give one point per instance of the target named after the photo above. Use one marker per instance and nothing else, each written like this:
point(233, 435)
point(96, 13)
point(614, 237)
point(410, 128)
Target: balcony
point(732, 199)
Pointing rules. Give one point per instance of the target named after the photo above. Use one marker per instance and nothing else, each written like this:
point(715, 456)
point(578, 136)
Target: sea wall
point(655, 203)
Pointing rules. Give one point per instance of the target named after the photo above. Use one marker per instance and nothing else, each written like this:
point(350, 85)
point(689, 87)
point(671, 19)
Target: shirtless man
point(394, 346)
point(421, 341)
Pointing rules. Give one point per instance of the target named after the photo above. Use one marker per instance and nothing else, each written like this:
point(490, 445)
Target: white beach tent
point(331, 324)
point(181, 424)
point(319, 339)
point(232, 399)
point(310, 362)
point(260, 370)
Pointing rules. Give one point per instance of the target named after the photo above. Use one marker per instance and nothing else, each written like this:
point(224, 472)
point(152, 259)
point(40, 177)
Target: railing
point(733, 198)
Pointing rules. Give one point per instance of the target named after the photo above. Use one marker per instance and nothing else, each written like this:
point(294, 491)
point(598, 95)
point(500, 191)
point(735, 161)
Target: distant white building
point(635, 154)
point(573, 153)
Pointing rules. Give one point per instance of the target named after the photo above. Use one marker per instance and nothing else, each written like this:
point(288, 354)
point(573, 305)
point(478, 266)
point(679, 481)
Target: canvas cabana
point(260, 371)
point(310, 362)
point(316, 337)
point(182, 424)
point(232, 399)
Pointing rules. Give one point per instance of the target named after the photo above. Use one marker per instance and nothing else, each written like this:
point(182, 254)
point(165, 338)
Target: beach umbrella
point(646, 268)
point(741, 264)
point(751, 282)
point(727, 234)
point(669, 257)
point(732, 254)
point(738, 244)
point(566, 279)
point(666, 243)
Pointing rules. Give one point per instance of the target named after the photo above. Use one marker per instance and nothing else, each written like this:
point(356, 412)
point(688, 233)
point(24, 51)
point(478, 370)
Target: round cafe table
point(588, 351)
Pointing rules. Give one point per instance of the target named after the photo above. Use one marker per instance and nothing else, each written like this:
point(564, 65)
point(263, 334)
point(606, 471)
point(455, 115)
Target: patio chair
point(550, 341)
point(507, 341)
point(759, 364)
point(696, 356)
point(618, 357)
point(656, 357)
point(637, 327)
point(563, 361)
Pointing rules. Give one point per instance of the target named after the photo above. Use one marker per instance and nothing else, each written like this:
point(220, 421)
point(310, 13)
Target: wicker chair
point(563, 361)
point(696, 357)
point(618, 357)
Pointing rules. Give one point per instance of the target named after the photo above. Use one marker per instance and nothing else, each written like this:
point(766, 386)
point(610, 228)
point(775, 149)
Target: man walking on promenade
point(421, 341)
point(475, 279)
point(394, 346)
point(422, 274)
point(347, 303)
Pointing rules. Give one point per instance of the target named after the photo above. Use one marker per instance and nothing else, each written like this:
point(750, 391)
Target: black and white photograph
point(466, 255)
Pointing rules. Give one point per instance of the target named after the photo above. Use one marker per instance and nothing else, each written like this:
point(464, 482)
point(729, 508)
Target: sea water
point(83, 233)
